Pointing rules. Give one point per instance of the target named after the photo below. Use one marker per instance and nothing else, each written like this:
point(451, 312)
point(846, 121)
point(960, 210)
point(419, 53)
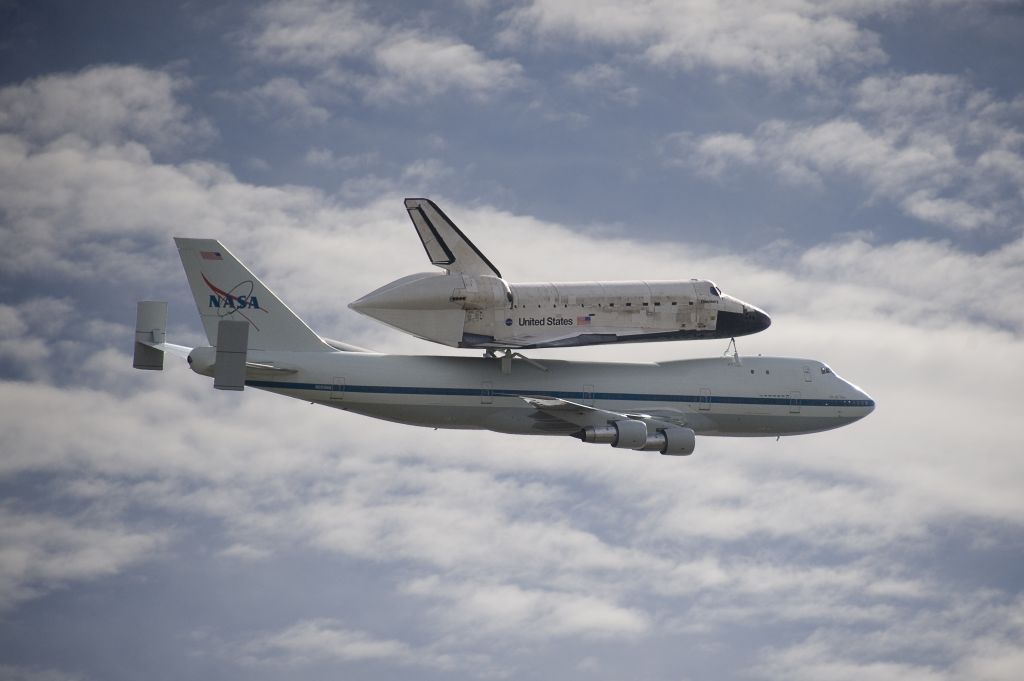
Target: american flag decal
point(210, 255)
point(582, 321)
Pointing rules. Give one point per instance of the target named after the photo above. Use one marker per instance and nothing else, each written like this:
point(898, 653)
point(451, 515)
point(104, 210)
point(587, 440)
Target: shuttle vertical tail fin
point(445, 243)
point(225, 289)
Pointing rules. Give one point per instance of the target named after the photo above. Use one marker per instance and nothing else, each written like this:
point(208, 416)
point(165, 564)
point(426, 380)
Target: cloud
point(311, 641)
point(504, 610)
point(41, 552)
point(978, 637)
point(285, 100)
point(607, 80)
point(349, 51)
point(780, 40)
point(103, 103)
point(942, 151)
point(321, 157)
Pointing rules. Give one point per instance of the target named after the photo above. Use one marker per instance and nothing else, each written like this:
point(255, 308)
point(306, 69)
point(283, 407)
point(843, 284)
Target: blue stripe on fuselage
point(567, 395)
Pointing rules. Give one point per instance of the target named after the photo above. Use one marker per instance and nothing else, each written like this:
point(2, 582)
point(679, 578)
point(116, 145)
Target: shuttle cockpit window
point(825, 369)
point(715, 291)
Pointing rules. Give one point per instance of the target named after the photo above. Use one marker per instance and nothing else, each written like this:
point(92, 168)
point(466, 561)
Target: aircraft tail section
point(225, 289)
point(445, 243)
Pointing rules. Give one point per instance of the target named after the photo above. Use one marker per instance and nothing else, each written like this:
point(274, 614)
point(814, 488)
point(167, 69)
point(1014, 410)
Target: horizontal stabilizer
point(445, 243)
point(150, 330)
point(232, 347)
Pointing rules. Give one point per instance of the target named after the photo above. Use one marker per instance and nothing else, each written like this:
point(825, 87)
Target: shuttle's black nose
point(751, 320)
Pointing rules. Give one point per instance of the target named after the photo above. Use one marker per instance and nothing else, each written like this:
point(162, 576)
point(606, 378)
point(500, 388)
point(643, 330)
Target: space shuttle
point(470, 305)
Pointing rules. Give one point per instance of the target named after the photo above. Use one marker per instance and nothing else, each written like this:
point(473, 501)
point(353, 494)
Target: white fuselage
point(484, 311)
point(753, 396)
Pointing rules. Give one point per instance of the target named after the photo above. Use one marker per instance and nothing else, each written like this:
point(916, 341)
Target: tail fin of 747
point(225, 290)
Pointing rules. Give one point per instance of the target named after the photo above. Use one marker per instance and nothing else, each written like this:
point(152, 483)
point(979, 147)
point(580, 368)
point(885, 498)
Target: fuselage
point(485, 311)
point(752, 396)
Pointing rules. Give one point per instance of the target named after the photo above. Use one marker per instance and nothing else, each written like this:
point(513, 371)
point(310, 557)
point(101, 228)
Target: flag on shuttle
point(582, 321)
point(210, 255)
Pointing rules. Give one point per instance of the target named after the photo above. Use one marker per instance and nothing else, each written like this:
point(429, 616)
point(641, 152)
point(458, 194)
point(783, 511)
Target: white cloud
point(312, 641)
point(383, 63)
point(41, 552)
point(285, 100)
point(968, 638)
point(606, 80)
point(504, 610)
point(414, 65)
point(781, 40)
point(310, 33)
point(325, 158)
point(944, 152)
point(102, 103)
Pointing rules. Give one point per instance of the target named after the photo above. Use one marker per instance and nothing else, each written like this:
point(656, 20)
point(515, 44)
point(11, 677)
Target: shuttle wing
point(446, 245)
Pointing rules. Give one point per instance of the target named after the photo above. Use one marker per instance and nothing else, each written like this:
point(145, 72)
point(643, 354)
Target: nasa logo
point(508, 322)
point(239, 299)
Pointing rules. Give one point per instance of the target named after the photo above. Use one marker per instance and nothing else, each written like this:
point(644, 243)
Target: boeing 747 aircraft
point(471, 306)
point(257, 341)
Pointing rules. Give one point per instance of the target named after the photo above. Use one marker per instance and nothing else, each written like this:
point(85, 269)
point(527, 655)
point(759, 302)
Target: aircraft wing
point(583, 415)
point(446, 245)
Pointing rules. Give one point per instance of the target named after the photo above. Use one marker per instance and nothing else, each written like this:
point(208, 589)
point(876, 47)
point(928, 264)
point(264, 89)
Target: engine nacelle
point(625, 434)
point(632, 434)
point(677, 441)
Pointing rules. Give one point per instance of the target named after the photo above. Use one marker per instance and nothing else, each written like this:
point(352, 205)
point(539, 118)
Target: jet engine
point(634, 434)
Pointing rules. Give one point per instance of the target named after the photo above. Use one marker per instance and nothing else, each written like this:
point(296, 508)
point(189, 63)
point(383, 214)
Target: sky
point(853, 167)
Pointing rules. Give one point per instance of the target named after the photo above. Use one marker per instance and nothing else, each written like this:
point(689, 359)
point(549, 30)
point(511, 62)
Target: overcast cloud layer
point(828, 161)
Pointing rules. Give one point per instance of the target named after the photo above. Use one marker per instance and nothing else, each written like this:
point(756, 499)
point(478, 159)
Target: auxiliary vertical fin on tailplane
point(225, 289)
point(445, 243)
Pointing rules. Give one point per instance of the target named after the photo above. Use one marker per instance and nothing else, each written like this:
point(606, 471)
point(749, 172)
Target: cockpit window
point(715, 291)
point(825, 369)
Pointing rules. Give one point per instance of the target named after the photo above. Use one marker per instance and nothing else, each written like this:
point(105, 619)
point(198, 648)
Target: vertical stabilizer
point(445, 243)
point(225, 289)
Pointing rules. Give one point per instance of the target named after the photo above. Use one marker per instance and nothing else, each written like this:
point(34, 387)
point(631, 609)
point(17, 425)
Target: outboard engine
point(633, 434)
